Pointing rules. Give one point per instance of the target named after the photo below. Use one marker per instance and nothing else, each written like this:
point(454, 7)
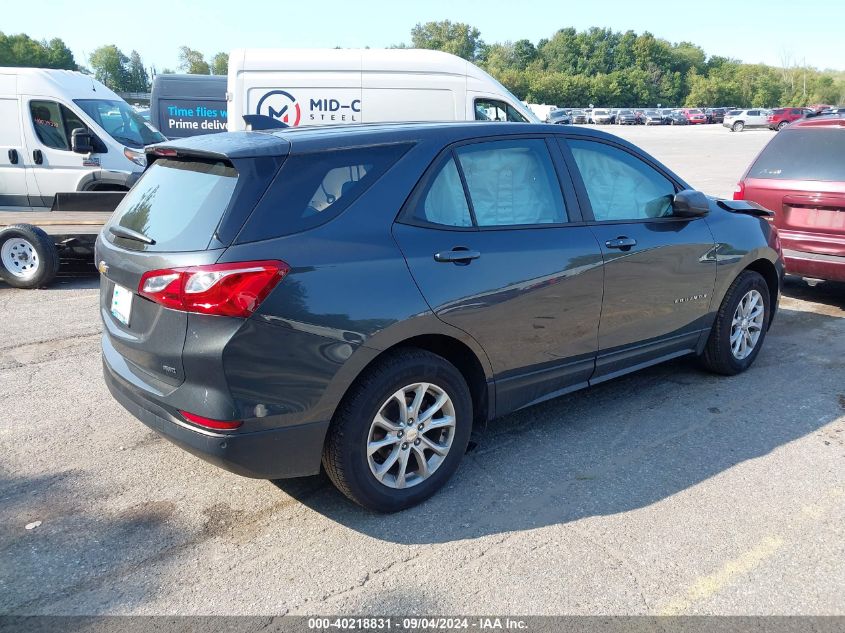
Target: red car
point(782, 117)
point(800, 175)
point(694, 115)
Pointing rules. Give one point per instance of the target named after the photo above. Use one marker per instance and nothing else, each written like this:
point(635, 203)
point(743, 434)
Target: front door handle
point(458, 255)
point(13, 156)
point(621, 242)
point(37, 156)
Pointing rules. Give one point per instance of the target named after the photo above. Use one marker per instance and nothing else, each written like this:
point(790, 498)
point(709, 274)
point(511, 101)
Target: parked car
point(694, 116)
point(559, 117)
point(626, 117)
point(579, 116)
point(738, 120)
point(781, 117)
point(667, 114)
point(715, 115)
point(677, 117)
point(800, 175)
point(652, 117)
point(602, 116)
point(360, 296)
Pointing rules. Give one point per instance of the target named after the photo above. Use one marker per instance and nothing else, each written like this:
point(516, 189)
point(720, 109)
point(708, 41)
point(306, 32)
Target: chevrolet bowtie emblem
point(103, 267)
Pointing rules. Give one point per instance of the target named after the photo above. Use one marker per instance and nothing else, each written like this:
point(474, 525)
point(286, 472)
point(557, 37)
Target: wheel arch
point(767, 270)
point(455, 351)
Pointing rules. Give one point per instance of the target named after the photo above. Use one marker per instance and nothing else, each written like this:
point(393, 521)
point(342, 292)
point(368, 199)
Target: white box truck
point(341, 86)
point(65, 132)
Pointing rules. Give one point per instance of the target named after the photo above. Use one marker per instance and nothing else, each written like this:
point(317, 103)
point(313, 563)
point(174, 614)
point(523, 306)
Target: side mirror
point(81, 141)
point(690, 204)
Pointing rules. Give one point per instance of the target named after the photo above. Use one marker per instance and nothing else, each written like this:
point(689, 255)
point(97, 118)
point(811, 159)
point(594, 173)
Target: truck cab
point(62, 131)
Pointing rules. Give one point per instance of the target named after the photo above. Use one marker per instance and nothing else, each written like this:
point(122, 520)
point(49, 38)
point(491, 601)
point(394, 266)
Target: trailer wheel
point(28, 257)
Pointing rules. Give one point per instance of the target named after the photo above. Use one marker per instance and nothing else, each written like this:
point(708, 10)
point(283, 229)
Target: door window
point(444, 202)
point(49, 125)
point(494, 110)
point(753, 113)
point(512, 183)
point(619, 185)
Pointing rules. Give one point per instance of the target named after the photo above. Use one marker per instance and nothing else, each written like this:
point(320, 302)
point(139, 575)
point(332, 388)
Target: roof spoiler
point(256, 122)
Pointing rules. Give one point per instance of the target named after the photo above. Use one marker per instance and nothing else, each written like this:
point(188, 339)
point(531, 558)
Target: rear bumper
point(814, 265)
point(292, 451)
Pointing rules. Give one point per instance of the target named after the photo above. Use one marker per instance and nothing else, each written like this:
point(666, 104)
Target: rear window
point(312, 188)
point(177, 203)
point(803, 154)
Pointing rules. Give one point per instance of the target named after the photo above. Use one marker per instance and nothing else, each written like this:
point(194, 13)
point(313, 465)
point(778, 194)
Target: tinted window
point(803, 154)
point(512, 183)
point(444, 201)
point(621, 186)
point(178, 203)
point(312, 188)
point(53, 123)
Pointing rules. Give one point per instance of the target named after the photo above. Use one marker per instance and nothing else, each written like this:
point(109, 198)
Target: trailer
point(33, 244)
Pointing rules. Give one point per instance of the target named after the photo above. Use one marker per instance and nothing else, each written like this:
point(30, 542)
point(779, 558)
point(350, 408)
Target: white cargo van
point(62, 131)
point(341, 86)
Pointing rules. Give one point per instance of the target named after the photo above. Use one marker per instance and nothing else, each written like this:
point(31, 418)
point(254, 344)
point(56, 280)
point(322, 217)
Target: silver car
point(652, 117)
point(738, 120)
point(602, 116)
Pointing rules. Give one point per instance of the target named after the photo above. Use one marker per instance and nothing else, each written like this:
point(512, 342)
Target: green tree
point(138, 79)
point(220, 64)
point(22, 50)
point(110, 67)
point(193, 62)
point(457, 38)
point(524, 52)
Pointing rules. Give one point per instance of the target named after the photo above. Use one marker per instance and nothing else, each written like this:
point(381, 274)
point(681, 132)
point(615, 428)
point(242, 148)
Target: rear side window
point(510, 183)
point(803, 154)
point(313, 188)
point(177, 203)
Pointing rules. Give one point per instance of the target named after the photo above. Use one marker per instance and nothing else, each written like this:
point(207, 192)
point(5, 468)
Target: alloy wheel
point(747, 324)
point(410, 436)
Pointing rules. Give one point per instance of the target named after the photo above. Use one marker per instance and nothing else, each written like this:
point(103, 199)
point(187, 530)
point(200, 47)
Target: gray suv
point(359, 297)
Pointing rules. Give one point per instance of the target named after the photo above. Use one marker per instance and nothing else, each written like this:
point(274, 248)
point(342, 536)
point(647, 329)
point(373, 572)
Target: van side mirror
point(690, 204)
point(81, 141)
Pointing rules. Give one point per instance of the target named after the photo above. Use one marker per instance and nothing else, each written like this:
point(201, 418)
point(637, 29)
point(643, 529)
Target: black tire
point(738, 126)
point(718, 356)
point(782, 125)
point(39, 244)
point(344, 453)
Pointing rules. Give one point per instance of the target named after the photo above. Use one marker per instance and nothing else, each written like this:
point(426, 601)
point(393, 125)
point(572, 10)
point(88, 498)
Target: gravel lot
point(669, 491)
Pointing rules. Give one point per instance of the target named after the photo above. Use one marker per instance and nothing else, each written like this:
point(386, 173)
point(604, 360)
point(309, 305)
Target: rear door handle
point(458, 255)
point(37, 156)
point(13, 156)
point(621, 242)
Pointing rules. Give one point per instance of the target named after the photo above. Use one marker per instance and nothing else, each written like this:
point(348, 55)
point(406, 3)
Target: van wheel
point(740, 327)
point(400, 432)
point(738, 126)
point(28, 257)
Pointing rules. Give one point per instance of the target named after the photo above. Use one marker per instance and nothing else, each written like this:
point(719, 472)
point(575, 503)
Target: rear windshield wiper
point(129, 234)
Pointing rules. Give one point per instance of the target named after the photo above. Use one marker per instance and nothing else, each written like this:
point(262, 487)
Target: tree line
point(571, 68)
point(614, 68)
point(108, 64)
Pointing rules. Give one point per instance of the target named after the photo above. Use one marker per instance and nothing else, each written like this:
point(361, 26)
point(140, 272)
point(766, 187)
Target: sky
point(767, 31)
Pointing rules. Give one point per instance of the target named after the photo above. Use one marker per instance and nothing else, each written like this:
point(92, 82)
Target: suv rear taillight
point(235, 289)
point(739, 191)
